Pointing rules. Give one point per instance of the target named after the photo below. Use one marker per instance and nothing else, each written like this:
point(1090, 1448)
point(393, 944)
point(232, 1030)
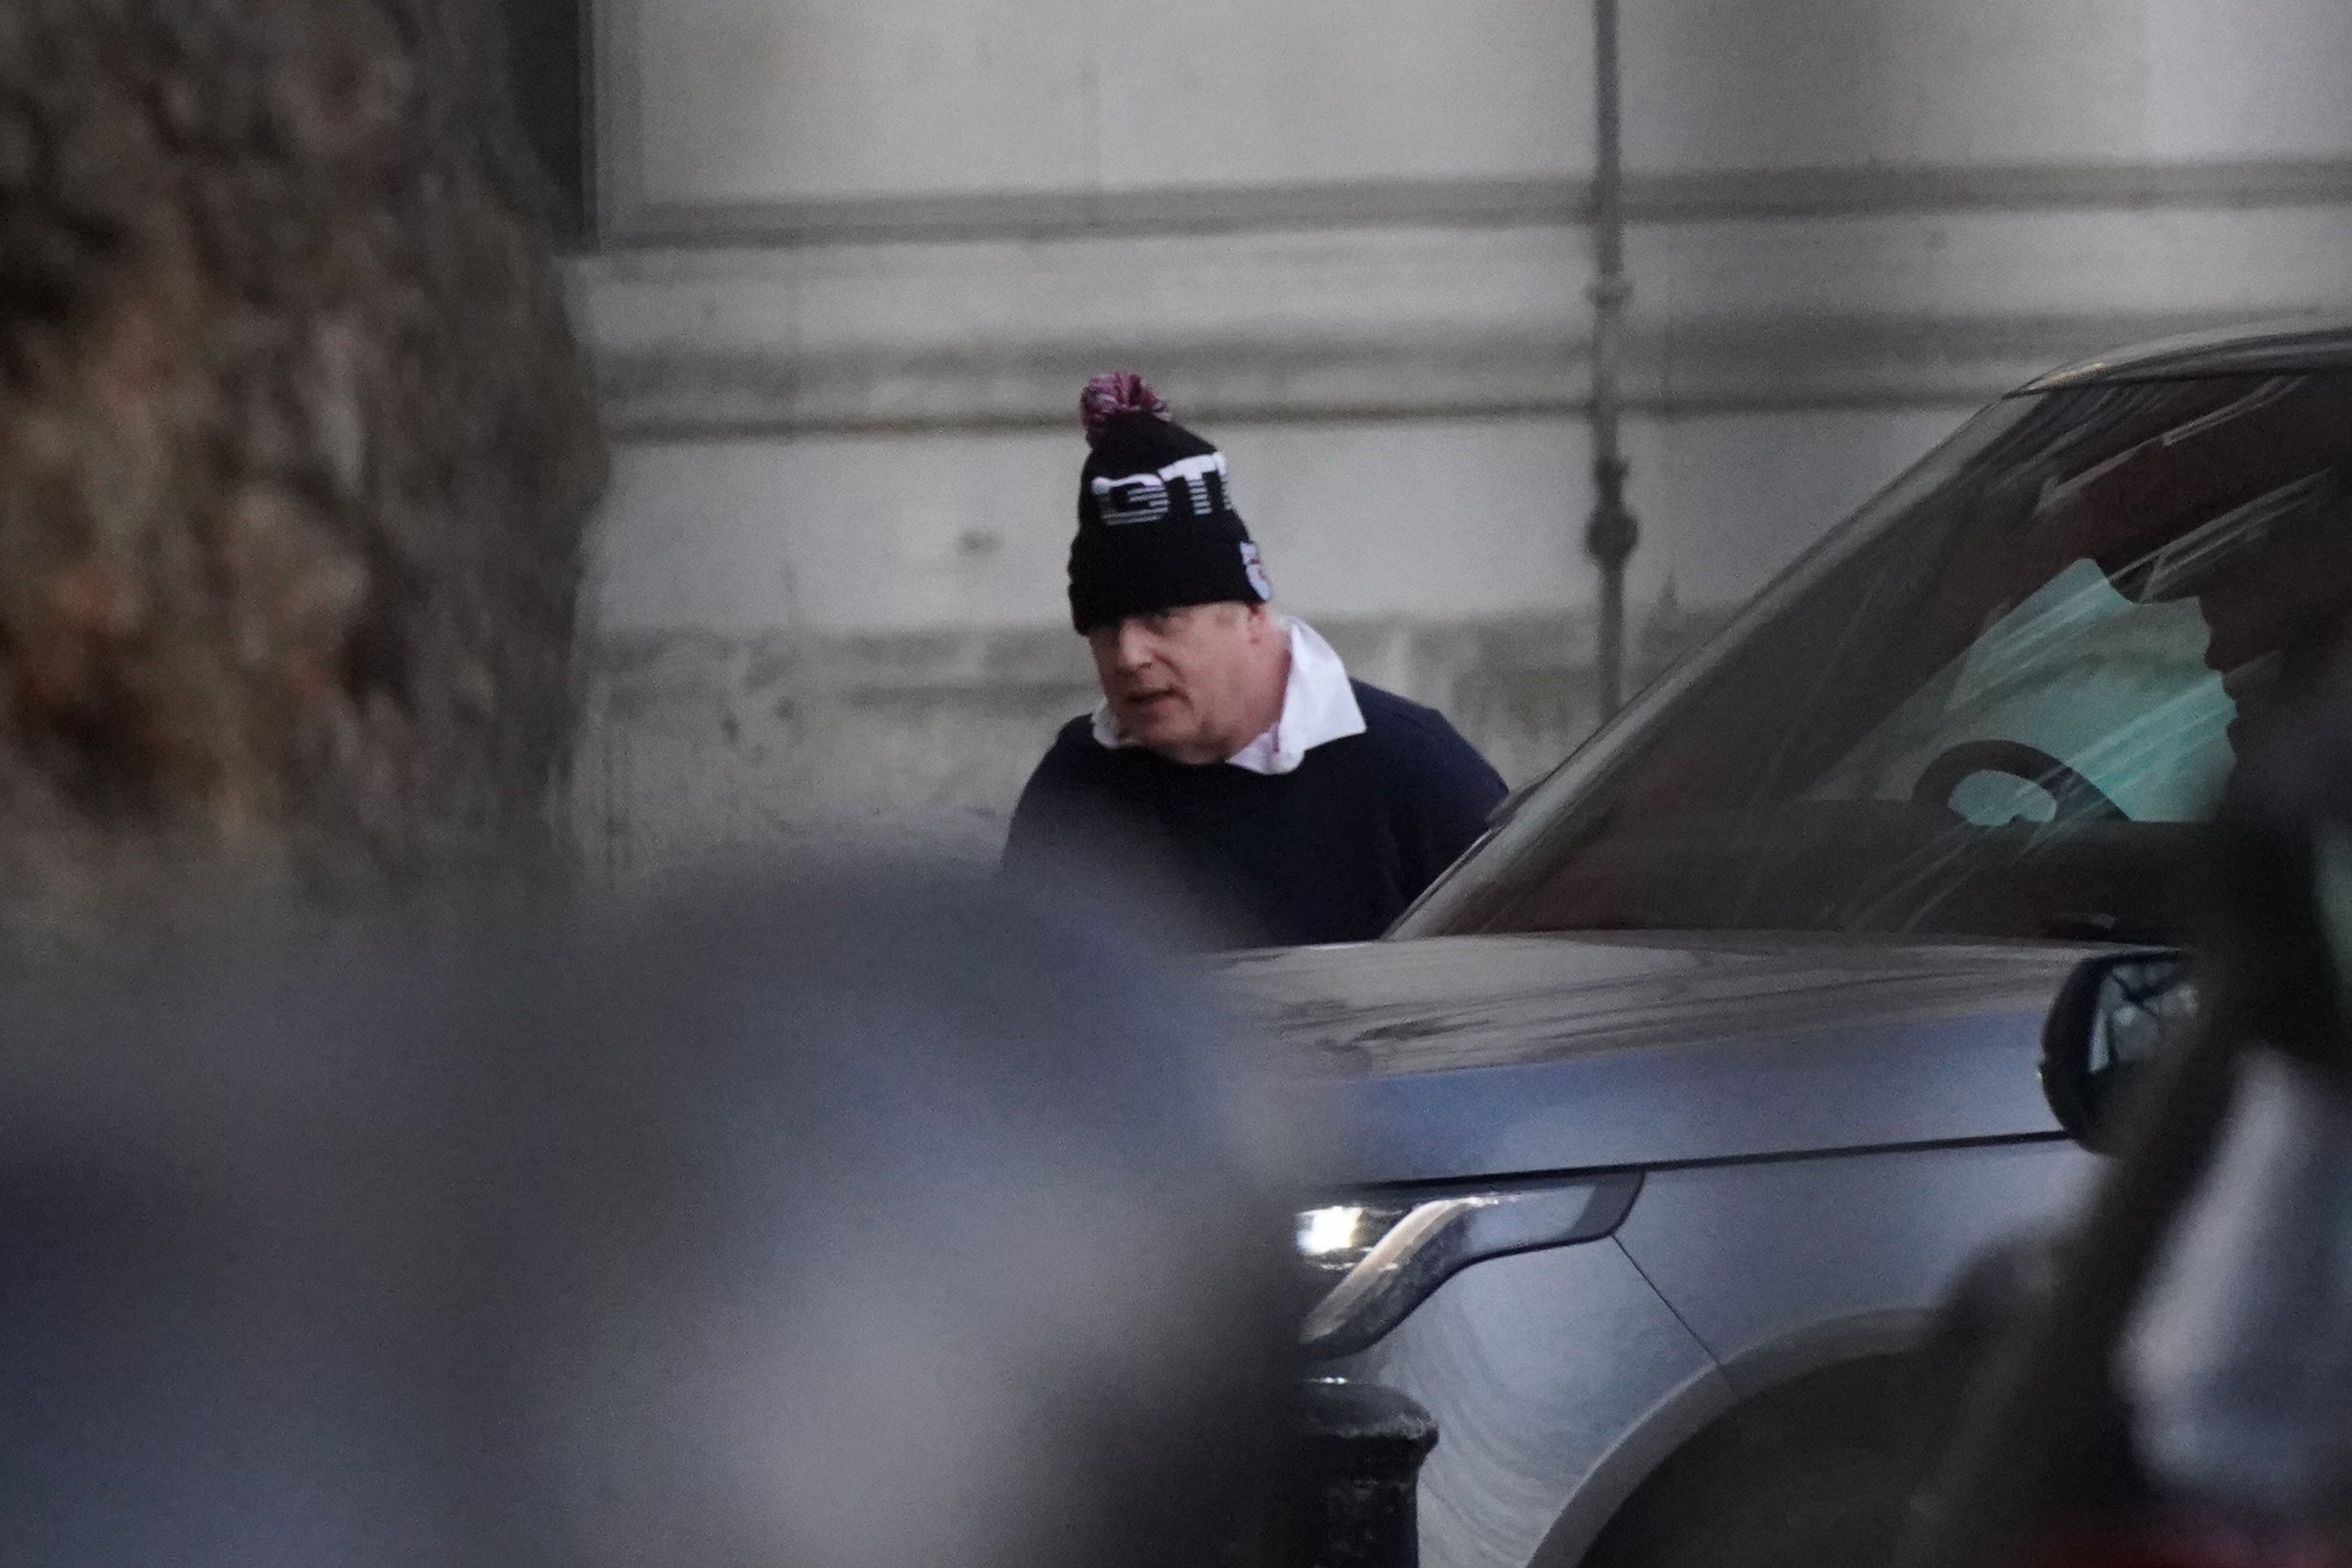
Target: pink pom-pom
point(1114, 393)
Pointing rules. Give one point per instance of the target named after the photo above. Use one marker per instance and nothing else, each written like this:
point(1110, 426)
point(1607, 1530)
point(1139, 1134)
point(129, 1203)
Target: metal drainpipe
point(1611, 535)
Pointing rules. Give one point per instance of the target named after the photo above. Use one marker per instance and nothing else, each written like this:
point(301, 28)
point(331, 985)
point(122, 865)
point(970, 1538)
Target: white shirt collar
point(1318, 705)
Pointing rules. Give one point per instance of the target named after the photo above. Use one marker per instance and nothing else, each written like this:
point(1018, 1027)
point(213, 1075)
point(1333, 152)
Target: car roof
point(2265, 349)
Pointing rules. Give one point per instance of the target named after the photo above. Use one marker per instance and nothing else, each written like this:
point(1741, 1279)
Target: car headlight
point(1375, 1259)
point(1334, 1240)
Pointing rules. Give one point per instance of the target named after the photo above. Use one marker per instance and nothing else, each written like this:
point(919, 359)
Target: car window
point(2077, 674)
point(2002, 705)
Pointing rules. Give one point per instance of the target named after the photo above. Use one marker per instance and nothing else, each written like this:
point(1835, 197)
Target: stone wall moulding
point(2001, 105)
point(1755, 289)
point(1698, 198)
point(1426, 320)
point(1723, 366)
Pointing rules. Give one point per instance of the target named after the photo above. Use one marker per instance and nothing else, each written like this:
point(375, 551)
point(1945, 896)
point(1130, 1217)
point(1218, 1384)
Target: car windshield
point(1999, 703)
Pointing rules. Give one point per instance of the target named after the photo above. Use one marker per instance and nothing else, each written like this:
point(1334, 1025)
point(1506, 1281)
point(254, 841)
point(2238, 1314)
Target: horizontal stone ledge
point(1723, 365)
point(1696, 196)
point(640, 670)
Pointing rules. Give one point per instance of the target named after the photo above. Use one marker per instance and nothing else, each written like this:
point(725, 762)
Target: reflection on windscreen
point(2004, 705)
point(2120, 692)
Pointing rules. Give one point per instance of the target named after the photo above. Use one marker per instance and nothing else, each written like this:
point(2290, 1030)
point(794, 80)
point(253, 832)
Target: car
point(1663, 1120)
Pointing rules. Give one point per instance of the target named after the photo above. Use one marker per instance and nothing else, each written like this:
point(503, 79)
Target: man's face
point(1193, 684)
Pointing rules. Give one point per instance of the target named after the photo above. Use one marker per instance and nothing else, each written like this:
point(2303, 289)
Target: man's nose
point(1133, 647)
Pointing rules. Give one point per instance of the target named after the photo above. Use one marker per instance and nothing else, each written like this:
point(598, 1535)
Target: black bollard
point(1359, 1448)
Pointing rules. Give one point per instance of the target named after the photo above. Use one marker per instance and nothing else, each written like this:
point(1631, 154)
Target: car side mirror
point(2115, 1018)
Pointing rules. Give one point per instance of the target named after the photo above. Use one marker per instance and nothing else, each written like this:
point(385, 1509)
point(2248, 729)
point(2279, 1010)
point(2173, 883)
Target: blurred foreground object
point(872, 1225)
point(296, 448)
point(2181, 1390)
point(2238, 1363)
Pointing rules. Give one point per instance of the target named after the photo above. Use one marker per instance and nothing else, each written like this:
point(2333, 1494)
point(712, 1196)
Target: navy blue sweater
point(1332, 851)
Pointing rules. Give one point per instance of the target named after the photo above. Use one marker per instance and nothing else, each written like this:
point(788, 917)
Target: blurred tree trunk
point(296, 449)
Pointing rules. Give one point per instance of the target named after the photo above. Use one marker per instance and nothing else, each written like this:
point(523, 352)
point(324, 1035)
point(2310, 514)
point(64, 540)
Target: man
point(1232, 755)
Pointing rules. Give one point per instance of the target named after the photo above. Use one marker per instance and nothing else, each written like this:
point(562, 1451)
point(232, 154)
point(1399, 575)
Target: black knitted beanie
point(1157, 527)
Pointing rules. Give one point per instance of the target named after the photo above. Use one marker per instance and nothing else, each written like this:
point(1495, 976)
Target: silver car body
point(1824, 1136)
point(1824, 1126)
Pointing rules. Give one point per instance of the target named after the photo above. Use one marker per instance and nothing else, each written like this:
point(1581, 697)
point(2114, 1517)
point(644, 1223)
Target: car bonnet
point(1461, 1057)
